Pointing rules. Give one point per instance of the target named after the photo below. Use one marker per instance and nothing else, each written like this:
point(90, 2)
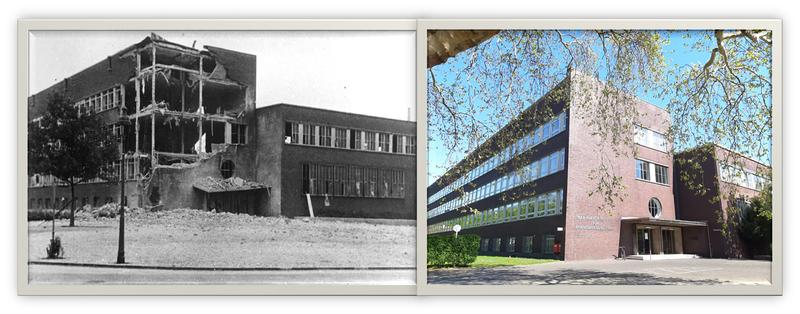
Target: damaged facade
point(195, 138)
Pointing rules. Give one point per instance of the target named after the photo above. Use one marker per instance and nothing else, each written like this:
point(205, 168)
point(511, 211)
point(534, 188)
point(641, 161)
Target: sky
point(336, 70)
point(676, 54)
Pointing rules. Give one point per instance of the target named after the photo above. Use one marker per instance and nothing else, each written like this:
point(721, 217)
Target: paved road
point(615, 272)
point(48, 274)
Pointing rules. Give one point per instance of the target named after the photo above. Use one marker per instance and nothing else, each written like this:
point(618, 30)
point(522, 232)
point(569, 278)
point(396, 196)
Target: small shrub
point(40, 214)
point(55, 250)
point(448, 250)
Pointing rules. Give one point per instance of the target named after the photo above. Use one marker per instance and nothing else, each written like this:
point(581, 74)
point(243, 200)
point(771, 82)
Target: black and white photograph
point(221, 157)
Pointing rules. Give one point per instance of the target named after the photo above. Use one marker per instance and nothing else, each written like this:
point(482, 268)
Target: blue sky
point(676, 53)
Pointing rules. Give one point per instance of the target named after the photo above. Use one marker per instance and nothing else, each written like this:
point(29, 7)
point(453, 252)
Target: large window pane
point(642, 170)
point(661, 174)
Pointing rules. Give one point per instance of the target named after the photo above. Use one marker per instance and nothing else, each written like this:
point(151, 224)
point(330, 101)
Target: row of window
point(496, 244)
point(537, 169)
point(652, 172)
point(649, 138)
point(111, 171)
point(544, 132)
point(102, 101)
point(542, 205)
point(354, 181)
point(45, 203)
point(328, 136)
point(37, 180)
point(741, 177)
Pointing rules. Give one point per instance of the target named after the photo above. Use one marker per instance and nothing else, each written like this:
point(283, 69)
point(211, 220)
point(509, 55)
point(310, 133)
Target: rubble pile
point(210, 184)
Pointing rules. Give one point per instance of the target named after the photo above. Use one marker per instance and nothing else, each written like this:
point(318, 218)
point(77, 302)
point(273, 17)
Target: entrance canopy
point(214, 185)
point(663, 222)
point(233, 195)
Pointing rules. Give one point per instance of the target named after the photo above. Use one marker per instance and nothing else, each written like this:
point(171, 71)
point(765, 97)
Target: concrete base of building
point(658, 257)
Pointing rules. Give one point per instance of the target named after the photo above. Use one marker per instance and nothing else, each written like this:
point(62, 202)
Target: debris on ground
point(192, 237)
point(211, 184)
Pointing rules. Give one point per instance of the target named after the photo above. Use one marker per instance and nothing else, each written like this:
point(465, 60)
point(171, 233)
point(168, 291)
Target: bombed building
point(194, 139)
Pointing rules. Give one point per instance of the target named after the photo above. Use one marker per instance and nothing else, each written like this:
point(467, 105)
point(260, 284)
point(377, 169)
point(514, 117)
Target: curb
point(376, 221)
point(154, 267)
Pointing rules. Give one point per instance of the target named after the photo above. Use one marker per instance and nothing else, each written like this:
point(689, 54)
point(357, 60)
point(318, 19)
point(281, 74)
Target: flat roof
point(272, 106)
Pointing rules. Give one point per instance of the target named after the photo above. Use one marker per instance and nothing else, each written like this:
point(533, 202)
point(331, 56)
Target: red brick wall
point(590, 232)
point(714, 206)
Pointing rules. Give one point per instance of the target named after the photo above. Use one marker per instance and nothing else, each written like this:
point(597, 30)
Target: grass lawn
point(495, 261)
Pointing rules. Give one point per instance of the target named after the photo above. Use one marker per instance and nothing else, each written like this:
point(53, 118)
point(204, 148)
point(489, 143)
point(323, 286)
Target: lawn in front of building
point(496, 261)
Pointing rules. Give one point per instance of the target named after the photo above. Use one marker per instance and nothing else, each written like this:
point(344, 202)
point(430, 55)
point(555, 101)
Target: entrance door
point(668, 241)
point(644, 238)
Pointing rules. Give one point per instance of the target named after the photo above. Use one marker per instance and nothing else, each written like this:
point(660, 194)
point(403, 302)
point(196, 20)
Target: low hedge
point(46, 214)
point(448, 250)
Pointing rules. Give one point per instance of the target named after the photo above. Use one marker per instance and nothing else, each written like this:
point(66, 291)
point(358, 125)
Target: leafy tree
point(71, 147)
point(725, 100)
point(755, 228)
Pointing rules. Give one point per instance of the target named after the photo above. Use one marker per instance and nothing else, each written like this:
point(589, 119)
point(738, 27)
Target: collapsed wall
point(190, 121)
point(220, 181)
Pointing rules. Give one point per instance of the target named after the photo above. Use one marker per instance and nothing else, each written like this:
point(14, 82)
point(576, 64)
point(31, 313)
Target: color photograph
point(599, 157)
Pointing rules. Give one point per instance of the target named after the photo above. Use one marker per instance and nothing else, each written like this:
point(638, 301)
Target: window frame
point(654, 206)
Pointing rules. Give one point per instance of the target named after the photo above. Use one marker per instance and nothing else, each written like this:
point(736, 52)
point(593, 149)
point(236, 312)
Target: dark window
point(239, 133)
point(291, 133)
point(306, 177)
point(341, 138)
point(353, 144)
point(661, 174)
point(369, 140)
point(226, 169)
point(511, 245)
point(325, 134)
point(309, 134)
point(411, 145)
point(383, 142)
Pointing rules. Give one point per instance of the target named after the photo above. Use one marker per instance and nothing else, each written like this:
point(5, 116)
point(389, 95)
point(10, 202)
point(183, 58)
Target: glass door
point(668, 241)
point(644, 238)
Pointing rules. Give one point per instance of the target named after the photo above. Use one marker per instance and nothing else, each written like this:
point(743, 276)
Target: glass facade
point(542, 205)
point(537, 169)
point(544, 132)
point(741, 177)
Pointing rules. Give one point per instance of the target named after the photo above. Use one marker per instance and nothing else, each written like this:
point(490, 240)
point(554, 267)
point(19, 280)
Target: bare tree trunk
point(72, 204)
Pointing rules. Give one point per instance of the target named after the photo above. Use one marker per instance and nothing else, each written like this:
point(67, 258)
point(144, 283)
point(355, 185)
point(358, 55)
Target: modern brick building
point(528, 186)
point(730, 180)
point(197, 140)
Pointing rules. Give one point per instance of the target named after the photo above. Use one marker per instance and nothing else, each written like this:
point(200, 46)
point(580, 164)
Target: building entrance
point(668, 241)
point(644, 238)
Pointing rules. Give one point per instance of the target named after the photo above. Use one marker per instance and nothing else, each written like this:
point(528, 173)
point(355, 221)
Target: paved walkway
point(615, 272)
point(57, 274)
